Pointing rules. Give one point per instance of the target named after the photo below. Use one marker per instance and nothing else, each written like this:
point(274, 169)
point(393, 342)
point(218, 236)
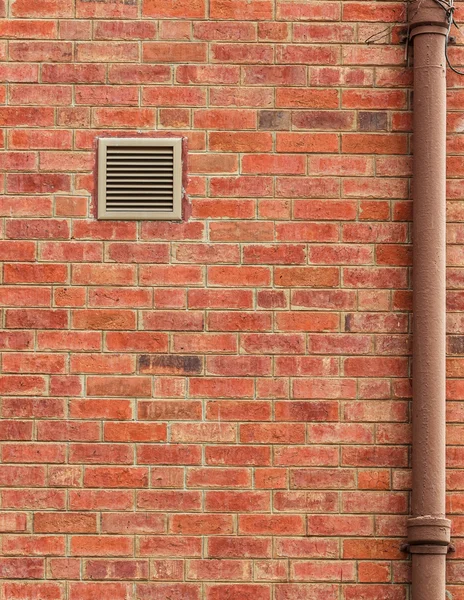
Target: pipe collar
point(429, 531)
point(428, 27)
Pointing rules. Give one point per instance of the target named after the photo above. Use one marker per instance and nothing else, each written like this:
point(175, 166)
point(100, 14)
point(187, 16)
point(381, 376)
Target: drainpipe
point(428, 529)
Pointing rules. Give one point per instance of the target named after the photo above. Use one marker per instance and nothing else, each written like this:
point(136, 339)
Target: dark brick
point(274, 119)
point(372, 121)
point(169, 364)
point(340, 120)
point(456, 344)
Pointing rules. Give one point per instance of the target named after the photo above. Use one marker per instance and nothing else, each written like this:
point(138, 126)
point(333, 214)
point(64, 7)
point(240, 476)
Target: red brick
point(39, 545)
point(125, 30)
point(306, 411)
point(271, 524)
point(306, 232)
point(169, 500)
point(116, 569)
point(103, 275)
point(137, 73)
point(243, 53)
point(240, 10)
point(100, 453)
point(381, 502)
point(19, 161)
point(54, 96)
point(119, 386)
point(73, 73)
point(40, 51)
point(116, 477)
point(236, 231)
point(279, 433)
point(64, 568)
point(370, 277)
point(36, 319)
point(20, 591)
point(75, 30)
point(100, 500)
point(210, 477)
point(173, 52)
point(90, 590)
point(239, 547)
point(100, 409)
point(175, 275)
point(225, 119)
point(232, 501)
point(133, 432)
point(103, 319)
point(43, 29)
point(33, 363)
point(278, 32)
point(124, 117)
point(249, 97)
point(305, 365)
point(203, 525)
point(255, 343)
point(273, 165)
point(106, 11)
point(216, 74)
point(370, 143)
point(240, 141)
point(34, 453)
point(19, 72)
point(245, 276)
point(22, 251)
point(304, 321)
point(42, 183)
point(65, 523)
point(221, 592)
point(275, 75)
point(210, 31)
point(220, 570)
point(203, 432)
point(73, 251)
point(40, 139)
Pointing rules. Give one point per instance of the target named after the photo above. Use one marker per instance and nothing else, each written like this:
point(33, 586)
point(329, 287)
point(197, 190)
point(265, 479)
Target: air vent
point(140, 178)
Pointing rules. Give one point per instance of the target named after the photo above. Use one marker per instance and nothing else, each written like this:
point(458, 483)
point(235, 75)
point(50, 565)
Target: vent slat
point(138, 177)
point(132, 159)
point(152, 186)
point(141, 196)
point(121, 205)
point(138, 150)
point(137, 163)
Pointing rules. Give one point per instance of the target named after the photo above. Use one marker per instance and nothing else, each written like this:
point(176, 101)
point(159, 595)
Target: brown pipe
point(428, 529)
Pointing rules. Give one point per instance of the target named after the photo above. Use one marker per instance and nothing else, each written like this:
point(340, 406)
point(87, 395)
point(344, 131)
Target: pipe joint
point(437, 27)
point(429, 533)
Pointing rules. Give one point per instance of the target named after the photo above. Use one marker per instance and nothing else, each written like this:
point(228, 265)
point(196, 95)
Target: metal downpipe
point(428, 528)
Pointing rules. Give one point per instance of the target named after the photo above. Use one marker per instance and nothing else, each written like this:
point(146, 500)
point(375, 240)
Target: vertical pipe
point(429, 310)
point(428, 529)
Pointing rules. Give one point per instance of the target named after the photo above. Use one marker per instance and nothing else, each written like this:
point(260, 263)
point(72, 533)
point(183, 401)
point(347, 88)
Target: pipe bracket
point(427, 549)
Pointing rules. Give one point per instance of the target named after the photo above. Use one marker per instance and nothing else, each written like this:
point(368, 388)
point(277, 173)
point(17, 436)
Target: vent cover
point(139, 178)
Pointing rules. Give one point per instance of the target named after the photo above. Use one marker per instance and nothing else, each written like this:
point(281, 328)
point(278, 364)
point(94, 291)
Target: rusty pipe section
point(428, 529)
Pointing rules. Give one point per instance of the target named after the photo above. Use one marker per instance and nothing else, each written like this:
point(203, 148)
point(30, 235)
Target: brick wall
point(216, 409)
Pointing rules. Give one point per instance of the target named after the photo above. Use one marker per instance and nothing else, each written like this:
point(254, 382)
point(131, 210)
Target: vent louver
point(139, 178)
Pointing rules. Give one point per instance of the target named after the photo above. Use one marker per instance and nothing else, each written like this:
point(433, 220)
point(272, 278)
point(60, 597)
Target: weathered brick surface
point(216, 409)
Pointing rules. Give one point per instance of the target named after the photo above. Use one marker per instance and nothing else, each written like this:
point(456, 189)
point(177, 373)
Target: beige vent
point(140, 178)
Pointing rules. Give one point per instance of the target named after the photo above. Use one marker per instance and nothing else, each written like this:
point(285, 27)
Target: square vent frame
point(158, 168)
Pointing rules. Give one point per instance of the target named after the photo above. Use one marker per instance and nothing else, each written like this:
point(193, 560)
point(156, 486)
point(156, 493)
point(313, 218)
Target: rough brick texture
point(216, 409)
